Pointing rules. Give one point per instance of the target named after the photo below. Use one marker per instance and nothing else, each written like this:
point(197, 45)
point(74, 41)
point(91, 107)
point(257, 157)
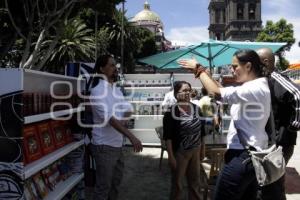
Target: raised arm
point(207, 81)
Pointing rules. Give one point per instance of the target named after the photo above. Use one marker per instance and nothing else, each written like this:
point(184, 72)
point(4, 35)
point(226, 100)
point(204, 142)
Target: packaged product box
point(66, 125)
point(46, 138)
point(31, 144)
point(58, 134)
point(41, 187)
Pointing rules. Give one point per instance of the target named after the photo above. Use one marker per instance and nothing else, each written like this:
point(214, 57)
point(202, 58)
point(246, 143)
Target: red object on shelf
point(31, 145)
point(67, 131)
point(58, 133)
point(46, 138)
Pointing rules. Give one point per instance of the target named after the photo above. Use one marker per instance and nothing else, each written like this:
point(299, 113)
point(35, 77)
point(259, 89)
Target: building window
point(240, 11)
point(251, 11)
point(218, 36)
point(218, 17)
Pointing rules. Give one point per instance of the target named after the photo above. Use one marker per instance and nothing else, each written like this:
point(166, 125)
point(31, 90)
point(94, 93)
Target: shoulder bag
point(269, 164)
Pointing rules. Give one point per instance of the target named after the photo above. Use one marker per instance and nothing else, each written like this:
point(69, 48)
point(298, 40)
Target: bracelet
point(199, 70)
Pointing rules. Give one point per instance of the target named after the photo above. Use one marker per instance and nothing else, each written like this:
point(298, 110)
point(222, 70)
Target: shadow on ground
point(292, 181)
point(143, 180)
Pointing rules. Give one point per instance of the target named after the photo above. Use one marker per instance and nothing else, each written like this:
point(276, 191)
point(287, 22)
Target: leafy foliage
point(147, 44)
point(282, 63)
point(47, 34)
point(133, 39)
point(103, 41)
point(280, 31)
point(76, 43)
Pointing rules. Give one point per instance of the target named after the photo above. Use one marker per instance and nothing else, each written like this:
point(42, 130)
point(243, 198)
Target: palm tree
point(75, 44)
point(132, 39)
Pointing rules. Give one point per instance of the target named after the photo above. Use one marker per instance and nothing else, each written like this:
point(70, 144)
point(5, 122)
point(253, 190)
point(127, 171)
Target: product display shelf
point(225, 123)
point(146, 102)
point(49, 75)
point(64, 187)
point(141, 129)
point(147, 116)
point(148, 88)
point(50, 115)
point(43, 162)
point(18, 83)
point(148, 136)
point(146, 92)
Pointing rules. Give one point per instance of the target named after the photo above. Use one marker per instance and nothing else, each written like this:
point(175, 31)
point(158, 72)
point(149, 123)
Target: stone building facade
point(151, 20)
point(238, 20)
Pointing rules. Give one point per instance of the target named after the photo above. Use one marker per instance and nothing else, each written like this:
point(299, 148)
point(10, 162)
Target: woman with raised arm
point(249, 112)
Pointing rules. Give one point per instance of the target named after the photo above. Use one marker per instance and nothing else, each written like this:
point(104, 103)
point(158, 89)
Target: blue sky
point(186, 21)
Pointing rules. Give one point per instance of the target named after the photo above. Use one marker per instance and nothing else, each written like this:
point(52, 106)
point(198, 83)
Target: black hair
point(204, 91)
point(249, 55)
point(178, 85)
point(101, 62)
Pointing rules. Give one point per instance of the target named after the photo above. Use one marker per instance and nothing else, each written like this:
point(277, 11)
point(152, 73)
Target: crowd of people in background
point(189, 118)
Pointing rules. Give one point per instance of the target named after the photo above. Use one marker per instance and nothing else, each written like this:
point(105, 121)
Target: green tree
point(280, 31)
point(76, 43)
point(131, 39)
point(102, 41)
point(138, 42)
point(34, 21)
point(147, 44)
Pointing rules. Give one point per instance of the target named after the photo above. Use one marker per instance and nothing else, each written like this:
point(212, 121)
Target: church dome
point(146, 15)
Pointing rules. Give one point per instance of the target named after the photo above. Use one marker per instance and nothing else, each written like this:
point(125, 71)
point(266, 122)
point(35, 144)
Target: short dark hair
point(249, 55)
point(101, 62)
point(178, 85)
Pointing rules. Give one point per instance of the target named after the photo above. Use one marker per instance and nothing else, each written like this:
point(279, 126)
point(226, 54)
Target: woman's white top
point(249, 112)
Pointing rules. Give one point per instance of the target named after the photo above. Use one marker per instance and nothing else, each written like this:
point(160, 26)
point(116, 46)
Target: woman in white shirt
point(250, 111)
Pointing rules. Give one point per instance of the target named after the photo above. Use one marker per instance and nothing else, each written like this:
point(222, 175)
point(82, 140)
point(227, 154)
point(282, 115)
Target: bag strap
point(270, 129)
point(242, 140)
point(270, 126)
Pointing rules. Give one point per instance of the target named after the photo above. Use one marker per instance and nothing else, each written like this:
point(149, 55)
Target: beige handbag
point(269, 164)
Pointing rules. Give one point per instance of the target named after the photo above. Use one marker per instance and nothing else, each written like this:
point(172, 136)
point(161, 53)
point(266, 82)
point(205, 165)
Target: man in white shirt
point(109, 110)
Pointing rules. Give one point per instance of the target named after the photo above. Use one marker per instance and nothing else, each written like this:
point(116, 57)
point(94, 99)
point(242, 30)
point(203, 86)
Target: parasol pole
point(209, 57)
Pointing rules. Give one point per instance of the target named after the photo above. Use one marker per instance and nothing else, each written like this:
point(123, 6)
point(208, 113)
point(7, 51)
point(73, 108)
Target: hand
point(172, 163)
point(124, 122)
point(190, 64)
point(137, 144)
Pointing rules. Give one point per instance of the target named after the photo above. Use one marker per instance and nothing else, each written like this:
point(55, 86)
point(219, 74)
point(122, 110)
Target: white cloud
point(196, 34)
point(187, 35)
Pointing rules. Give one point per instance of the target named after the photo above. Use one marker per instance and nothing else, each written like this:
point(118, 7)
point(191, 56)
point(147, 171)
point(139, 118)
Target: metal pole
point(122, 38)
point(96, 38)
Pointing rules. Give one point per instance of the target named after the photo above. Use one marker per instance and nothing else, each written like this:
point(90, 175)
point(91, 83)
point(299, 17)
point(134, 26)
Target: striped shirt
point(190, 131)
point(183, 130)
